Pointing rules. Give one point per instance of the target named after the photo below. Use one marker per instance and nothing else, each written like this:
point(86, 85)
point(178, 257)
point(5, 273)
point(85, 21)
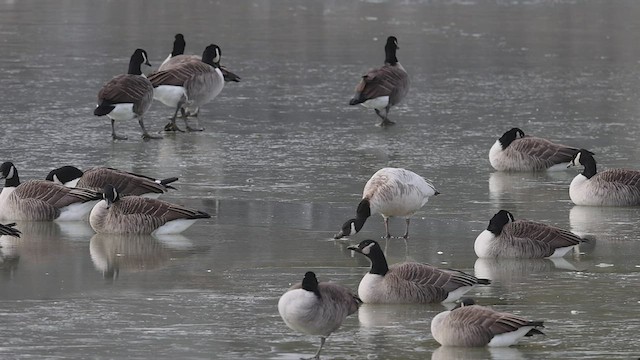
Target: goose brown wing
point(626, 177)
point(544, 150)
point(344, 299)
point(54, 194)
point(487, 322)
point(426, 282)
point(157, 208)
point(127, 183)
point(178, 75)
point(540, 236)
point(179, 60)
point(126, 88)
point(380, 82)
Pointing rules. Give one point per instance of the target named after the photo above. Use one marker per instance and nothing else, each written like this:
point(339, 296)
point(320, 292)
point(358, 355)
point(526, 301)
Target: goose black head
point(64, 174)
point(138, 58)
point(465, 302)
point(390, 50)
point(178, 45)
point(499, 220)
point(8, 170)
point(353, 226)
point(310, 283)
point(212, 55)
point(584, 158)
point(508, 137)
point(110, 195)
point(372, 250)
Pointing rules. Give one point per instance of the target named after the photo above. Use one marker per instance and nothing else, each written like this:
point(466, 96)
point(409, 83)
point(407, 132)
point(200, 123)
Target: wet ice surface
point(283, 161)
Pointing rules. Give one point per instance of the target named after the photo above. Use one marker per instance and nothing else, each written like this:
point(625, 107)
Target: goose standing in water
point(317, 308)
point(177, 57)
point(525, 239)
point(98, 177)
point(390, 192)
point(384, 87)
point(515, 151)
point(41, 200)
point(139, 215)
point(471, 325)
point(192, 83)
point(127, 96)
point(612, 187)
point(409, 282)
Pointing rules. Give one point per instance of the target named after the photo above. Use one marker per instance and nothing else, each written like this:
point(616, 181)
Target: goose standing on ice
point(384, 87)
point(515, 151)
point(471, 325)
point(317, 308)
point(409, 282)
point(525, 239)
point(127, 96)
point(41, 200)
point(612, 187)
point(97, 178)
point(390, 192)
point(192, 83)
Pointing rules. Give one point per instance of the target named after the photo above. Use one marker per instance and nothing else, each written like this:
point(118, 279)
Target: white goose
point(140, 215)
point(526, 239)
point(612, 187)
point(97, 178)
point(383, 87)
point(515, 151)
point(317, 308)
point(41, 200)
point(409, 282)
point(390, 192)
point(470, 325)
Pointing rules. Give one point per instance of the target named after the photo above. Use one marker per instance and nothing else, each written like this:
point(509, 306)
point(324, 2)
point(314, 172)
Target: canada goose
point(9, 230)
point(139, 215)
point(612, 187)
point(409, 282)
point(96, 178)
point(41, 200)
point(385, 86)
point(505, 237)
point(472, 325)
point(528, 153)
point(127, 96)
point(390, 192)
point(192, 83)
point(177, 57)
point(317, 308)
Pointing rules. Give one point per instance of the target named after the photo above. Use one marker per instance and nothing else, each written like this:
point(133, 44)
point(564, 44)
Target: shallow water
point(283, 161)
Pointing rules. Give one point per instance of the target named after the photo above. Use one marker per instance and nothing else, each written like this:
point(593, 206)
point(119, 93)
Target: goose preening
point(383, 87)
point(612, 187)
point(97, 178)
point(192, 83)
point(507, 237)
point(515, 151)
point(41, 200)
point(117, 214)
point(317, 308)
point(409, 282)
point(127, 96)
point(9, 230)
point(177, 57)
point(472, 325)
point(390, 192)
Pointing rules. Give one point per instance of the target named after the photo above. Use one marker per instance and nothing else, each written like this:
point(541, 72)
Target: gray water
point(283, 160)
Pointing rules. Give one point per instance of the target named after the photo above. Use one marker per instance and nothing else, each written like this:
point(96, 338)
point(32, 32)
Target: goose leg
point(385, 119)
point(145, 134)
point(172, 125)
point(406, 232)
point(386, 227)
point(317, 355)
point(113, 132)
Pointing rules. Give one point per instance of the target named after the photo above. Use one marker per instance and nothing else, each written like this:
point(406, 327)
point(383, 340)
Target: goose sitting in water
point(41, 200)
point(177, 57)
point(127, 96)
point(515, 151)
point(140, 215)
point(98, 177)
point(9, 230)
point(317, 308)
point(472, 325)
point(383, 87)
point(409, 282)
point(612, 187)
point(390, 192)
point(526, 239)
point(192, 83)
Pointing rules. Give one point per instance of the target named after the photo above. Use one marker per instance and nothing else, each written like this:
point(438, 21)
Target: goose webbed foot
point(115, 136)
point(147, 136)
point(172, 127)
point(387, 122)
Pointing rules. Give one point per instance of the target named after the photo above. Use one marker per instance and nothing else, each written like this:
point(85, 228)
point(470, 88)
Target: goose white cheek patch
point(366, 250)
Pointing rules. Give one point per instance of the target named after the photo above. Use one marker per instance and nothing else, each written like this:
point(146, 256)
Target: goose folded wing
point(54, 194)
point(126, 88)
point(422, 281)
point(127, 183)
point(178, 75)
point(380, 82)
point(546, 151)
point(538, 234)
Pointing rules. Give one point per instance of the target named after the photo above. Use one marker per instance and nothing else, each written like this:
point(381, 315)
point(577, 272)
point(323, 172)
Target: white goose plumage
point(409, 282)
point(317, 308)
point(515, 151)
point(612, 187)
point(526, 239)
point(390, 192)
point(470, 325)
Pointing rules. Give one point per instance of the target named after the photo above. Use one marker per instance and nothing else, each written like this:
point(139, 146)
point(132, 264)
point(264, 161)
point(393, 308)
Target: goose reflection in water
point(462, 353)
point(112, 253)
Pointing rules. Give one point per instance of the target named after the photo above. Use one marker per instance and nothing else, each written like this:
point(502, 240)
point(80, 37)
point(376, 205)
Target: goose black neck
point(379, 264)
point(364, 210)
point(390, 54)
point(135, 67)
point(310, 283)
point(14, 180)
point(589, 165)
point(178, 46)
point(510, 136)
